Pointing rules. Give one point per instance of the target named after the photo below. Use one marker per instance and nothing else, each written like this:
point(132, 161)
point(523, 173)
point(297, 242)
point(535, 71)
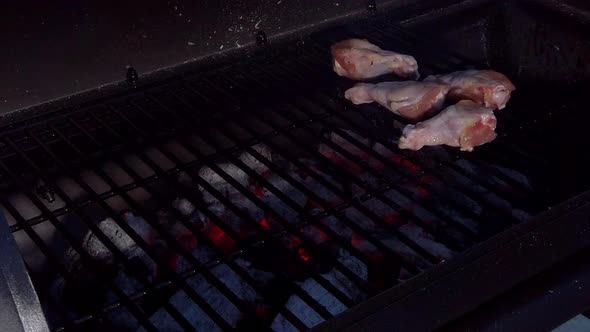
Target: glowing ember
point(258, 191)
point(322, 236)
point(264, 223)
point(340, 160)
point(392, 218)
point(404, 162)
point(303, 254)
point(396, 218)
point(376, 256)
point(423, 191)
point(427, 179)
point(356, 240)
point(188, 240)
point(223, 241)
point(311, 204)
point(260, 311)
point(295, 242)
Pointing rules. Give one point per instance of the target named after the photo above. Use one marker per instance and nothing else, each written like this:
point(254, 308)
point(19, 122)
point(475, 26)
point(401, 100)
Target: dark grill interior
point(254, 196)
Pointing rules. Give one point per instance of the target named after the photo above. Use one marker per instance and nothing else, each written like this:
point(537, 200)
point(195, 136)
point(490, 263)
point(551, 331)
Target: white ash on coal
point(86, 291)
point(218, 302)
point(234, 171)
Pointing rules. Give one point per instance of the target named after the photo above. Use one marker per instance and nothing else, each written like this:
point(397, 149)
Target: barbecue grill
point(243, 192)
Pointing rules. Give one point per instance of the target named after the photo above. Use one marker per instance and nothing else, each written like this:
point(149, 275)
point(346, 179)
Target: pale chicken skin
point(411, 100)
point(358, 59)
point(464, 125)
point(487, 87)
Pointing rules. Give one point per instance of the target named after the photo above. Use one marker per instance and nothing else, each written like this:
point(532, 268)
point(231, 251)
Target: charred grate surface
point(247, 197)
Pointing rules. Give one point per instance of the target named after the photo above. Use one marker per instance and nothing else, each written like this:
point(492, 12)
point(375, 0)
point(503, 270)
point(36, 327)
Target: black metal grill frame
point(144, 117)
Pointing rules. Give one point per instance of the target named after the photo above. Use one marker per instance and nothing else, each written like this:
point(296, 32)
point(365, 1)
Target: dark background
point(57, 48)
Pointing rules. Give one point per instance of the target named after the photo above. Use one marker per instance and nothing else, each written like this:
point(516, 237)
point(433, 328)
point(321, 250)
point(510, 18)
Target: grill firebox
point(253, 196)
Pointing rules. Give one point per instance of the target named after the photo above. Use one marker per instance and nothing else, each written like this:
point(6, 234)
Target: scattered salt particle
point(175, 7)
point(240, 17)
point(257, 24)
point(221, 47)
point(238, 44)
point(190, 44)
point(550, 291)
point(279, 2)
point(337, 4)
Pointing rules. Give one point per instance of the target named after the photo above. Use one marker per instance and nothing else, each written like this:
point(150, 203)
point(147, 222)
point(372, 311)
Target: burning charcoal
point(194, 314)
point(343, 283)
point(187, 209)
point(273, 256)
point(86, 290)
point(279, 205)
point(324, 256)
point(234, 171)
point(300, 309)
point(184, 206)
point(426, 241)
point(386, 238)
point(94, 246)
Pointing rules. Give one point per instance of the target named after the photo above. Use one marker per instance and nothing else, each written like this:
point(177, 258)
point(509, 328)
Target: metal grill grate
point(305, 206)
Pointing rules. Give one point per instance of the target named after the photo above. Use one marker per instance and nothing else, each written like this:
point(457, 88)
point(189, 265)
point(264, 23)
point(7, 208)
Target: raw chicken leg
point(486, 87)
point(411, 100)
point(358, 59)
point(465, 125)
